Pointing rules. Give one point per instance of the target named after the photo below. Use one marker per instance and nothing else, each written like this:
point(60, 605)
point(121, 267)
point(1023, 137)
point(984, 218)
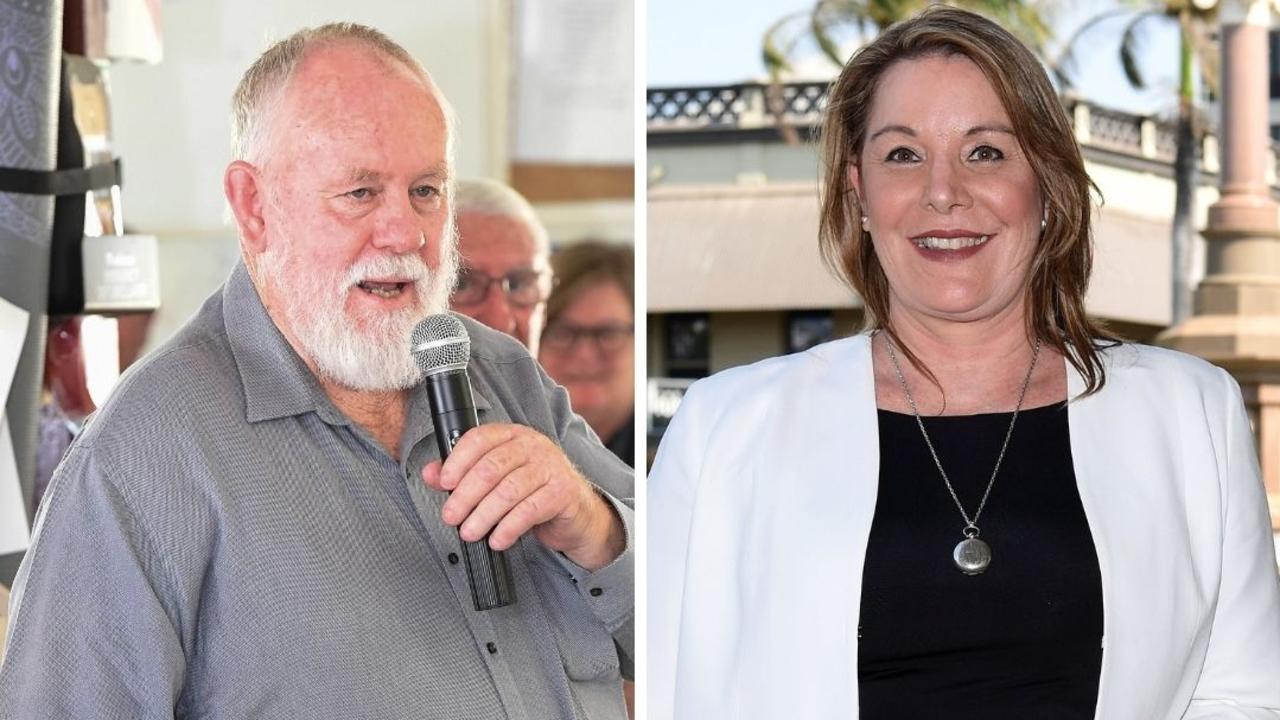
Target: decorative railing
point(750, 106)
point(1111, 129)
point(762, 107)
point(696, 107)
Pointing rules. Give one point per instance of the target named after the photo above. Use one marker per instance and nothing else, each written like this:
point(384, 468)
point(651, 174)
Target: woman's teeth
point(955, 243)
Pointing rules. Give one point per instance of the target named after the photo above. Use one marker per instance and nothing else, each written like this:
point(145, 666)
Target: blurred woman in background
point(588, 345)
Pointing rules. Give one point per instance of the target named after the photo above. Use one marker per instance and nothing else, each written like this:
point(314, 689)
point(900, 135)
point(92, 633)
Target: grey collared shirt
point(221, 542)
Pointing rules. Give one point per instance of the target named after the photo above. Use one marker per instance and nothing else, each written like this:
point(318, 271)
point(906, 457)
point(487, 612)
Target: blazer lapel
point(1125, 466)
point(818, 489)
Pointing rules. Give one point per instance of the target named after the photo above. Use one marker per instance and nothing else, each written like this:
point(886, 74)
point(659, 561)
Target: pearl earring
point(866, 223)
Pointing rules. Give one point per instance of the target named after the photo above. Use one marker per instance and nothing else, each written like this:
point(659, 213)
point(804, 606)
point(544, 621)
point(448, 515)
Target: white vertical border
point(641, 194)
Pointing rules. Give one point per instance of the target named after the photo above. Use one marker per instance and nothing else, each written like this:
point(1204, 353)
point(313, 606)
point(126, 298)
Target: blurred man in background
point(506, 274)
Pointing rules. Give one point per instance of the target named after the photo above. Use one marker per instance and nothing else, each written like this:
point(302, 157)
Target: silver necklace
point(971, 555)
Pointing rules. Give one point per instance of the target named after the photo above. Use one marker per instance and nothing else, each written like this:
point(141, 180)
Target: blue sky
point(695, 42)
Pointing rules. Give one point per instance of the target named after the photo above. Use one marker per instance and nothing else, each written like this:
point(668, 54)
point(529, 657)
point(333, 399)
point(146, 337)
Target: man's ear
point(244, 192)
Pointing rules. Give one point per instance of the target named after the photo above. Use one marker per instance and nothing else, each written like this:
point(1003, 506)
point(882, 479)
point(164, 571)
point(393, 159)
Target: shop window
point(688, 345)
point(808, 328)
point(1273, 62)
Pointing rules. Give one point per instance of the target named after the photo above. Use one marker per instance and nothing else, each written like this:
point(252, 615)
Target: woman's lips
point(949, 242)
point(949, 246)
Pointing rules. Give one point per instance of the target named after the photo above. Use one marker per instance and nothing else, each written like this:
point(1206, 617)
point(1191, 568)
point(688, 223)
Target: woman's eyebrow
point(975, 130)
point(893, 128)
point(979, 129)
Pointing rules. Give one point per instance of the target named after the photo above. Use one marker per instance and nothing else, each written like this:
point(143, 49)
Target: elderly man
point(506, 270)
point(257, 524)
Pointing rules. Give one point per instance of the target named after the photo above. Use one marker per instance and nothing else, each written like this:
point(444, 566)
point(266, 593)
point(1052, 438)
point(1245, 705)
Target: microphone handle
point(453, 411)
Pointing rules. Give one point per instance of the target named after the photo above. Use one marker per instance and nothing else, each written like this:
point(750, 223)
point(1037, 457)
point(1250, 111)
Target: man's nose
point(399, 228)
point(496, 311)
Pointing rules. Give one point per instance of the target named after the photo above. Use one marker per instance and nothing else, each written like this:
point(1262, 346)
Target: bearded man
point(257, 523)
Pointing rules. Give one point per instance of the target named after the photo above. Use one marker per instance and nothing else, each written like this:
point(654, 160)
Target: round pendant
point(972, 556)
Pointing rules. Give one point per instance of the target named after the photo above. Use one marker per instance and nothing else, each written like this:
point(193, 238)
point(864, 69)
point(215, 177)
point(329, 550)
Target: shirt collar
point(277, 383)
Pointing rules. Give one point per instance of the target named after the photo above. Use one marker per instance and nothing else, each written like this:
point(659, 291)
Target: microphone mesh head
point(439, 343)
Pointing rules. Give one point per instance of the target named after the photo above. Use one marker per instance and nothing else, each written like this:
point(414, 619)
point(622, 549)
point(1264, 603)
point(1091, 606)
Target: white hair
point(375, 357)
point(483, 196)
point(258, 94)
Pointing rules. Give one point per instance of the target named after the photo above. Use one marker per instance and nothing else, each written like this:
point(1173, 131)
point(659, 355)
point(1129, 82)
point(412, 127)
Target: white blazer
point(760, 503)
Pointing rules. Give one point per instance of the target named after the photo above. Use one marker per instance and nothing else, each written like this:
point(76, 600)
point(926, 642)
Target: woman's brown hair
point(584, 265)
point(1063, 259)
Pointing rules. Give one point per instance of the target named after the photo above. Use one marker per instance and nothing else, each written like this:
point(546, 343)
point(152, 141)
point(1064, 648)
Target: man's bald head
point(261, 87)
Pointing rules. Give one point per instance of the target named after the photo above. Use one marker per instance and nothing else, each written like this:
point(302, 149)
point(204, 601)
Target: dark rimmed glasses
point(562, 337)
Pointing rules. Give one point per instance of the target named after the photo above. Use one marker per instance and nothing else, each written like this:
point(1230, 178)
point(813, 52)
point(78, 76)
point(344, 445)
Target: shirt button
point(492, 648)
point(596, 592)
point(453, 558)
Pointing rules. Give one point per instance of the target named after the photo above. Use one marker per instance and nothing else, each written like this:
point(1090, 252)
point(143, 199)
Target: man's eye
point(360, 194)
point(425, 191)
point(986, 153)
point(518, 281)
point(901, 155)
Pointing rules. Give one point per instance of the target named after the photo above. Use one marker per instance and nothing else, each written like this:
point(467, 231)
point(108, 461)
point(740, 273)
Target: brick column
point(1236, 320)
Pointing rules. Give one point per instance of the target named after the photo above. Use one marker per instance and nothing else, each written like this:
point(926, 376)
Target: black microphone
point(441, 349)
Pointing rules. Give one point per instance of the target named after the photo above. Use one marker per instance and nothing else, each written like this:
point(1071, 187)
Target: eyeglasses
point(607, 338)
point(523, 288)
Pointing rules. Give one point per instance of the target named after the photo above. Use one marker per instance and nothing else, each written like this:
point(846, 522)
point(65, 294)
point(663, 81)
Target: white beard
point(371, 353)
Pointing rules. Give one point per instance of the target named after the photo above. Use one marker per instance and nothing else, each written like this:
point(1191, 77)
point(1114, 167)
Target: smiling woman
point(984, 505)
point(951, 186)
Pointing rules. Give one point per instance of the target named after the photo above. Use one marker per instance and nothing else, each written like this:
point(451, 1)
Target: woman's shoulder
point(1150, 371)
point(1134, 359)
point(730, 415)
point(777, 374)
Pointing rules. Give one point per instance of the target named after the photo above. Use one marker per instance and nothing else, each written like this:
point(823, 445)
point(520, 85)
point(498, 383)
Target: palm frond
point(822, 35)
point(774, 47)
point(1006, 14)
point(1129, 41)
point(1065, 65)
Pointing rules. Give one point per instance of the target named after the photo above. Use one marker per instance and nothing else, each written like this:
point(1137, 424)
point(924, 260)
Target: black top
point(1021, 640)
point(623, 442)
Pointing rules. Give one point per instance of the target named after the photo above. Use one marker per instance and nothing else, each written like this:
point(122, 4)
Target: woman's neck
point(979, 365)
